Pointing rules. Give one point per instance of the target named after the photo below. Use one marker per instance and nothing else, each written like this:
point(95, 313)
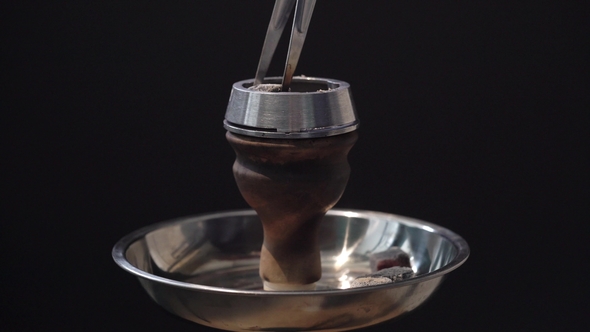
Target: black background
point(473, 116)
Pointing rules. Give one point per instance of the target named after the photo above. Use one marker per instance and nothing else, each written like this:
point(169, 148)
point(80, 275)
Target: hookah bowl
point(291, 167)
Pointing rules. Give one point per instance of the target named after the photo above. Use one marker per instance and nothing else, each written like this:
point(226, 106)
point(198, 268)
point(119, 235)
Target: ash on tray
point(388, 266)
point(384, 276)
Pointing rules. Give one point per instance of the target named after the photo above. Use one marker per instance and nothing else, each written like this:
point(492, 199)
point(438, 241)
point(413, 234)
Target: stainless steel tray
point(205, 269)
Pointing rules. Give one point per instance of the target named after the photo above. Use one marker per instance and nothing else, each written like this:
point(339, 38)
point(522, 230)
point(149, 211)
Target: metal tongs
point(280, 15)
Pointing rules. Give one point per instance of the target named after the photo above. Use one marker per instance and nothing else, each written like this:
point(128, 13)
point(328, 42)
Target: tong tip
point(281, 12)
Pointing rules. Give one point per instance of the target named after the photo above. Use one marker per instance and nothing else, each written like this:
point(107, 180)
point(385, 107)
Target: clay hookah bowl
point(291, 167)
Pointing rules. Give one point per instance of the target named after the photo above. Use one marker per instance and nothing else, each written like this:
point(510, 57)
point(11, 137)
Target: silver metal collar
point(315, 107)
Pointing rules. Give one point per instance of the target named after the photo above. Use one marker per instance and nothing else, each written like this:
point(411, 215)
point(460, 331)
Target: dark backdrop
point(473, 116)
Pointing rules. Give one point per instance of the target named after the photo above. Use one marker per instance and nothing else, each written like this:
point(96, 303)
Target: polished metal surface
point(280, 16)
point(315, 107)
point(303, 12)
point(205, 269)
